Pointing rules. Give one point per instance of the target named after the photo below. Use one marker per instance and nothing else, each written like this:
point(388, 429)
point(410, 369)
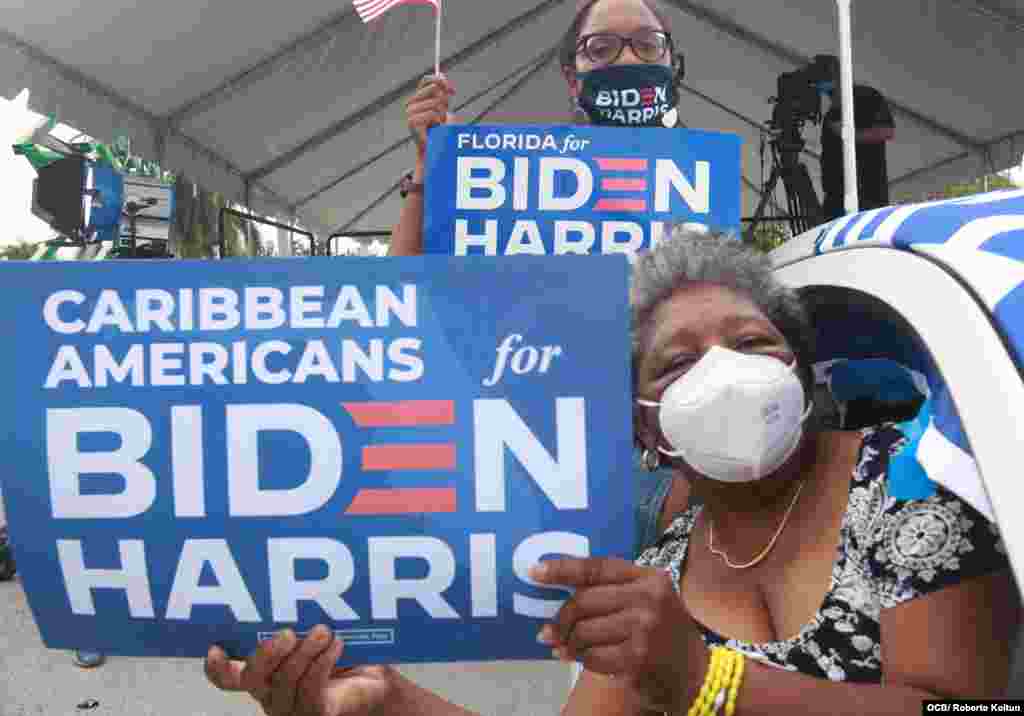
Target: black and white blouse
point(890, 551)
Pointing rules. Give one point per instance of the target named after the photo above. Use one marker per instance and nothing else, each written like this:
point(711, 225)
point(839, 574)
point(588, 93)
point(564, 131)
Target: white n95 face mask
point(733, 417)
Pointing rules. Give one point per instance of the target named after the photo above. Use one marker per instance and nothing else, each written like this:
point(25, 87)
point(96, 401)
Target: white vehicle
point(938, 288)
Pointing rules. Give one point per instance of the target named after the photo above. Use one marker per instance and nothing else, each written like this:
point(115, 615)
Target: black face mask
point(629, 96)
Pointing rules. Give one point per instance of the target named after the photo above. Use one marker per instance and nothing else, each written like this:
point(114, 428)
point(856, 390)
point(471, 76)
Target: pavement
point(38, 681)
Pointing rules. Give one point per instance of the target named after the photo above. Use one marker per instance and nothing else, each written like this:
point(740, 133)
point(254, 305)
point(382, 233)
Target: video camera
point(798, 99)
point(798, 102)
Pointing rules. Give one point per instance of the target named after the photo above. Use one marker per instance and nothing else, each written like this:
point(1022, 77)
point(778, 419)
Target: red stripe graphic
point(621, 205)
point(403, 501)
point(419, 456)
point(621, 165)
point(402, 414)
point(624, 185)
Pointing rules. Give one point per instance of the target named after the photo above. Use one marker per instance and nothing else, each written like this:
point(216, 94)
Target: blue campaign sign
point(574, 190)
point(206, 452)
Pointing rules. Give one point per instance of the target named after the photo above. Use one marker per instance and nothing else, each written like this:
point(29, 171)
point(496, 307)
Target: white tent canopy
point(296, 109)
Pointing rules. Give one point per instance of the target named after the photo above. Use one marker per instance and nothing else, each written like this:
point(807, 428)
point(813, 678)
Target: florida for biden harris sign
point(207, 452)
point(552, 190)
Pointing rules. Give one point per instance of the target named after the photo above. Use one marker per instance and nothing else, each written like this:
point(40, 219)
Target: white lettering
point(187, 460)
point(230, 590)
point(668, 176)
point(525, 239)
point(218, 309)
point(67, 365)
point(107, 366)
point(245, 496)
point(199, 368)
point(521, 184)
point(154, 306)
point(483, 575)
point(610, 244)
point(109, 311)
point(316, 361)
point(51, 312)
point(350, 307)
point(164, 360)
point(67, 463)
point(286, 591)
point(564, 482)
point(259, 363)
point(403, 352)
point(132, 577)
point(528, 553)
point(427, 591)
point(305, 301)
point(464, 240)
point(490, 183)
point(566, 245)
point(264, 308)
point(549, 167)
point(353, 356)
point(389, 304)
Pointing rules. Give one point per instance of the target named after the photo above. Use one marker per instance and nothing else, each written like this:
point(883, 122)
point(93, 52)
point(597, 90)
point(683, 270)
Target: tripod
point(804, 207)
point(132, 210)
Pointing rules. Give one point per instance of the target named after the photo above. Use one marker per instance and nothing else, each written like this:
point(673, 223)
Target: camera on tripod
point(798, 102)
point(798, 99)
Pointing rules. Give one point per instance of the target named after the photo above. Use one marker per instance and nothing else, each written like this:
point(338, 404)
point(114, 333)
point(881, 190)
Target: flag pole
point(851, 199)
point(437, 42)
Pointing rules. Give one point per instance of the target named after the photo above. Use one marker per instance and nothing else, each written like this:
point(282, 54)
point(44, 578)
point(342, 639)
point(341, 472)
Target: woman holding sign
point(611, 45)
point(798, 584)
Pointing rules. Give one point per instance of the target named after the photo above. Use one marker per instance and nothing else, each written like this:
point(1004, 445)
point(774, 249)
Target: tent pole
point(846, 87)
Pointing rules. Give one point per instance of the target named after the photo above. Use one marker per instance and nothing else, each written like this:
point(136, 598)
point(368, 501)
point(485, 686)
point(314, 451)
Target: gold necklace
point(764, 553)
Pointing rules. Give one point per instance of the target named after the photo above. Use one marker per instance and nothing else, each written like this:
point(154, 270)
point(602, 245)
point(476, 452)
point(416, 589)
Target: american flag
point(372, 9)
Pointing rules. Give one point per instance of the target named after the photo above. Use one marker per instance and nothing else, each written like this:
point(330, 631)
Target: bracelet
point(719, 702)
point(706, 692)
point(407, 186)
point(721, 684)
point(734, 687)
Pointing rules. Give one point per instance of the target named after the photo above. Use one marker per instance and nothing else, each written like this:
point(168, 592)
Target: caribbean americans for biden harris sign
point(207, 452)
point(545, 190)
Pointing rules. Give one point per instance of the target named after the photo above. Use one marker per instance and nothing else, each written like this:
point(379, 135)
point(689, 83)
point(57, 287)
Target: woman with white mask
point(794, 583)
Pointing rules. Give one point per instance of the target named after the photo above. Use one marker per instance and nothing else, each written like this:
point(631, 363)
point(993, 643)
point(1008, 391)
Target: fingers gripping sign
point(289, 676)
point(264, 662)
point(252, 675)
point(285, 675)
point(627, 622)
point(287, 680)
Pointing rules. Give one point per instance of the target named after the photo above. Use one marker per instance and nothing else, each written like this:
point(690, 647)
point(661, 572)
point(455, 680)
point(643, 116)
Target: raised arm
point(407, 236)
point(427, 108)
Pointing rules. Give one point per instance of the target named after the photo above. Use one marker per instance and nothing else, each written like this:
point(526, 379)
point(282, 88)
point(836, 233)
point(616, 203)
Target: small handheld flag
point(370, 10)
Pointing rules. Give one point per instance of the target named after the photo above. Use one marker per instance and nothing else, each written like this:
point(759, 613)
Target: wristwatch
point(407, 186)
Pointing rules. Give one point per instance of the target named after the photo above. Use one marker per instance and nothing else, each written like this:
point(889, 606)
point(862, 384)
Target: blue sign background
point(594, 146)
point(466, 307)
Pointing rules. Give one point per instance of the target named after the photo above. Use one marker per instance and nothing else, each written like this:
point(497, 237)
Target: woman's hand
point(627, 622)
point(293, 677)
point(427, 108)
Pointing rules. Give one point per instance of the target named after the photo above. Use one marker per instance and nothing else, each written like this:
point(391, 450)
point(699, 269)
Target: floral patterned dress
point(890, 551)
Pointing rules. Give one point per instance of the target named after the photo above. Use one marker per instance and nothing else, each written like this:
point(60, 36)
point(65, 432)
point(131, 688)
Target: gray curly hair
point(689, 256)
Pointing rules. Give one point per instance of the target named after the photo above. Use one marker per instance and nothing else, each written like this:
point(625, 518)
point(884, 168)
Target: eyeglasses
point(604, 48)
